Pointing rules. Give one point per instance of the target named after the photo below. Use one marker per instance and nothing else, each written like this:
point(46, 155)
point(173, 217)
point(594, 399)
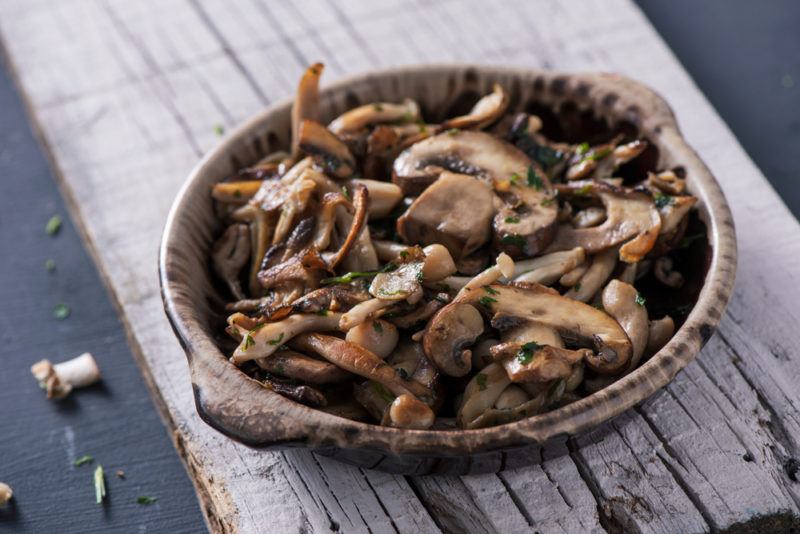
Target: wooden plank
point(127, 96)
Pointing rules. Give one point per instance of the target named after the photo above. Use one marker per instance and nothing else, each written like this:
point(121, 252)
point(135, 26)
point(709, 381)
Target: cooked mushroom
point(378, 336)
point(230, 254)
point(548, 268)
point(504, 267)
point(667, 181)
point(591, 216)
point(482, 392)
point(481, 352)
point(388, 250)
point(569, 279)
point(511, 397)
point(292, 364)
point(326, 218)
point(404, 283)
point(622, 302)
point(664, 273)
point(266, 338)
point(438, 263)
point(449, 334)
point(526, 223)
point(420, 314)
point(5, 493)
point(595, 276)
point(236, 192)
point(406, 411)
point(631, 216)
point(383, 196)
point(382, 143)
point(377, 113)
point(364, 311)
point(353, 239)
point(297, 392)
point(332, 298)
point(455, 211)
point(659, 332)
point(306, 104)
point(673, 211)
point(58, 380)
point(534, 362)
point(486, 111)
point(326, 149)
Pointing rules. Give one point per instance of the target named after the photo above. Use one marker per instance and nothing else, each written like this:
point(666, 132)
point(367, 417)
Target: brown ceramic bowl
point(574, 107)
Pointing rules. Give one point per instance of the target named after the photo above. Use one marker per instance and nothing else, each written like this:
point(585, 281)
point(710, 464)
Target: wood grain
point(127, 96)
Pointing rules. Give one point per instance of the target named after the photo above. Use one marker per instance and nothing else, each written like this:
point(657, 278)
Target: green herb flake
point(61, 311)
point(491, 290)
point(599, 154)
point(322, 313)
point(662, 200)
point(548, 201)
point(514, 179)
point(513, 239)
point(50, 265)
point(487, 302)
point(53, 226)
point(584, 191)
point(377, 107)
point(349, 277)
point(423, 128)
point(276, 341)
point(99, 485)
point(582, 149)
point(145, 500)
point(534, 180)
point(377, 326)
point(527, 351)
point(219, 130)
point(639, 299)
point(403, 254)
point(345, 192)
point(480, 379)
point(248, 342)
point(85, 459)
point(512, 220)
point(577, 286)
point(453, 131)
point(382, 392)
point(686, 242)
point(407, 116)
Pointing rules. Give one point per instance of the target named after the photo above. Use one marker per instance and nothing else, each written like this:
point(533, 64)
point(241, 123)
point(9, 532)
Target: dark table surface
point(745, 56)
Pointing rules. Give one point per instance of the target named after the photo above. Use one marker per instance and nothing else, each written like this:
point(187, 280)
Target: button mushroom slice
point(526, 223)
point(622, 302)
point(596, 274)
point(377, 113)
point(662, 269)
point(591, 216)
point(297, 392)
point(473, 153)
point(292, 364)
point(577, 323)
point(326, 149)
point(659, 332)
point(306, 103)
point(235, 192)
point(667, 182)
point(630, 216)
point(535, 362)
point(448, 335)
point(230, 254)
point(456, 211)
point(547, 269)
point(485, 112)
point(481, 393)
point(360, 361)
point(378, 336)
point(569, 279)
point(326, 218)
point(263, 340)
point(383, 196)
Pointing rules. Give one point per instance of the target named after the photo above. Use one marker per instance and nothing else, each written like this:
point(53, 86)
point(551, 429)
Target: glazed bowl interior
point(574, 108)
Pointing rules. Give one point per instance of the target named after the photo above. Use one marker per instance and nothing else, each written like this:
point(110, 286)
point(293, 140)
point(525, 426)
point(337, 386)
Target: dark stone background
point(744, 55)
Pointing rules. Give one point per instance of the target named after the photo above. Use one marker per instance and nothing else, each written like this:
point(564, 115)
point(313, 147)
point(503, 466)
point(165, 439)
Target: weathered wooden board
point(127, 95)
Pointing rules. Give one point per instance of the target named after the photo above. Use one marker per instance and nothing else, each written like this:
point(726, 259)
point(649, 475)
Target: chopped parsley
point(53, 226)
point(322, 313)
point(686, 242)
point(378, 327)
point(452, 131)
point(144, 499)
point(548, 201)
point(85, 459)
point(276, 341)
point(99, 485)
point(491, 290)
point(662, 200)
point(248, 342)
point(534, 180)
point(420, 275)
point(582, 149)
point(50, 265)
point(377, 107)
point(639, 299)
point(583, 191)
point(61, 311)
point(514, 179)
point(403, 254)
point(487, 302)
point(345, 192)
point(382, 392)
point(513, 239)
point(347, 278)
point(480, 379)
point(527, 351)
point(512, 220)
point(219, 130)
point(599, 154)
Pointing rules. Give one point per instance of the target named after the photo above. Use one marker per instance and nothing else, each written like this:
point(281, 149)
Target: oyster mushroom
point(306, 103)
point(456, 211)
point(659, 332)
point(667, 182)
point(622, 302)
point(353, 240)
point(58, 380)
point(326, 149)
point(504, 267)
point(662, 269)
point(266, 338)
point(595, 276)
point(511, 397)
point(421, 314)
point(569, 279)
point(673, 212)
point(381, 145)
point(330, 298)
point(292, 364)
point(230, 254)
point(378, 336)
point(361, 117)
point(404, 283)
point(631, 217)
point(486, 111)
point(326, 218)
point(532, 362)
point(364, 311)
point(383, 196)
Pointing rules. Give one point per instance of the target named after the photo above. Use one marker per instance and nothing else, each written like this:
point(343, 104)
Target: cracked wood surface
point(127, 96)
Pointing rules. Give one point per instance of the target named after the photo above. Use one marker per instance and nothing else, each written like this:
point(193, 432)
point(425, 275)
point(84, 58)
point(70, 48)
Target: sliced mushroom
point(404, 283)
point(547, 269)
point(292, 364)
point(595, 276)
point(419, 315)
point(263, 340)
point(383, 197)
point(297, 392)
point(486, 111)
point(294, 203)
point(591, 216)
point(357, 228)
point(534, 362)
point(388, 250)
point(378, 113)
point(526, 223)
point(659, 333)
point(673, 211)
point(330, 298)
point(236, 192)
point(230, 254)
point(378, 336)
point(664, 273)
point(473, 153)
point(631, 216)
point(481, 393)
point(449, 334)
point(306, 104)
point(326, 218)
point(577, 323)
point(667, 181)
point(326, 149)
point(504, 267)
point(456, 212)
point(623, 303)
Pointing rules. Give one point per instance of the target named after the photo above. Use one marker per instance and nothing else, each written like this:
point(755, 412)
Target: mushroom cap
point(449, 332)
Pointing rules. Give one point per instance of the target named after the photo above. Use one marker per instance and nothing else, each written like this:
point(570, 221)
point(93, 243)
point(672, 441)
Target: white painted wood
point(127, 95)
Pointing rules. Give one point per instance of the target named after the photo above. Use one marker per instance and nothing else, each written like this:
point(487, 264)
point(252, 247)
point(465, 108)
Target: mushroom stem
point(504, 267)
point(59, 379)
point(263, 340)
point(369, 309)
point(5, 493)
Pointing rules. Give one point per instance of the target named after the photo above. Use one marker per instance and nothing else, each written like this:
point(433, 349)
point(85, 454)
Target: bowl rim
point(274, 421)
